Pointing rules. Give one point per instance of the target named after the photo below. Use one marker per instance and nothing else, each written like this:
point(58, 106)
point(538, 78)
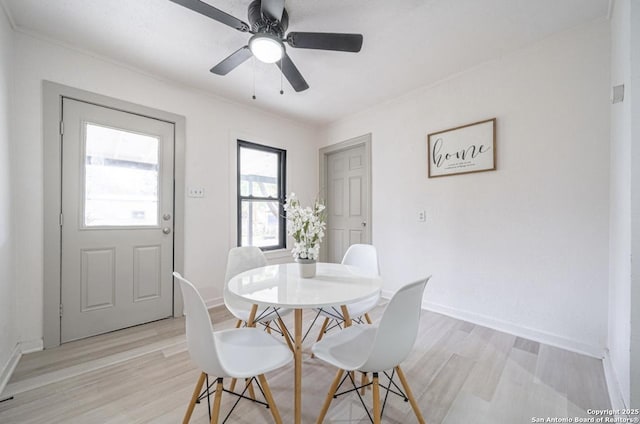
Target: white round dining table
point(282, 286)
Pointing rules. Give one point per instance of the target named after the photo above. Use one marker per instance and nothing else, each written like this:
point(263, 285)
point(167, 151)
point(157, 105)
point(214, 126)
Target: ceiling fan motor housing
point(262, 24)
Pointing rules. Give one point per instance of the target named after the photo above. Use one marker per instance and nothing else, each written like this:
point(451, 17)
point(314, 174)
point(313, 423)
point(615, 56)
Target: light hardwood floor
point(459, 373)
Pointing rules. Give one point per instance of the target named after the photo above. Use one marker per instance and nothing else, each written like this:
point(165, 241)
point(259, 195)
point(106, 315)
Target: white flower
point(306, 226)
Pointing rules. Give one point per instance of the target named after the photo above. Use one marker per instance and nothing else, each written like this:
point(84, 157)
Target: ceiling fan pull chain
point(281, 74)
point(254, 77)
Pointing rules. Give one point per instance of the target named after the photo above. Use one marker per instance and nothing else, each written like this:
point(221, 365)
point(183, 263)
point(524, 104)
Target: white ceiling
point(407, 43)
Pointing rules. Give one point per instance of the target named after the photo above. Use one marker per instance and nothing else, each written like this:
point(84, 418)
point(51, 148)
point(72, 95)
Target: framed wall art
point(462, 150)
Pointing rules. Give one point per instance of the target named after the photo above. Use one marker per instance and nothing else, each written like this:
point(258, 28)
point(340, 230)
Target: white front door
point(117, 220)
point(347, 200)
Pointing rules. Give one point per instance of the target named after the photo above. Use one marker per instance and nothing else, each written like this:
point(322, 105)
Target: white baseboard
point(31, 346)
point(613, 386)
point(20, 349)
point(518, 330)
point(212, 303)
point(511, 328)
point(8, 368)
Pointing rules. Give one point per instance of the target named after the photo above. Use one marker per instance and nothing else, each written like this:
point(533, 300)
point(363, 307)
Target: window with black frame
point(261, 191)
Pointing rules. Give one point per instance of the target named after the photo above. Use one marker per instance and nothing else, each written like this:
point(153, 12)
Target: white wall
point(211, 124)
point(634, 100)
point(524, 248)
point(8, 335)
point(620, 206)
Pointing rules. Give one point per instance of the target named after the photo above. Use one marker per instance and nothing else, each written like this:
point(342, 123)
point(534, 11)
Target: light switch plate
point(195, 192)
point(617, 94)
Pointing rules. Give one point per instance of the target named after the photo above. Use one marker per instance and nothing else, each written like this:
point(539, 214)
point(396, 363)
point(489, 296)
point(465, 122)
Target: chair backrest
point(241, 259)
point(364, 256)
point(200, 341)
point(398, 328)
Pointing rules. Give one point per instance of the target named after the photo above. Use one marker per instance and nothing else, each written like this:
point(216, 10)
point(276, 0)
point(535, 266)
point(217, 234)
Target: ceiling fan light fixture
point(266, 48)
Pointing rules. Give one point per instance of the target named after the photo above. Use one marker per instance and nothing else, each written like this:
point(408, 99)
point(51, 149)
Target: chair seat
point(356, 309)
point(375, 349)
point(347, 349)
point(247, 352)
point(242, 313)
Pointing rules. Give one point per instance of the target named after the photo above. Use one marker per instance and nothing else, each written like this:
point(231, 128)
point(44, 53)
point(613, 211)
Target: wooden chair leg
point(252, 316)
point(368, 318)
point(363, 381)
point(285, 334)
point(376, 399)
point(269, 327)
point(345, 316)
point(329, 398)
point(249, 383)
point(270, 401)
point(215, 411)
point(232, 386)
point(323, 329)
point(239, 323)
point(321, 333)
point(194, 398)
point(412, 400)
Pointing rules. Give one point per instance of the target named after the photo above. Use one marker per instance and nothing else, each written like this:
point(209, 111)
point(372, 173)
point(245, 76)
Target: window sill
point(278, 254)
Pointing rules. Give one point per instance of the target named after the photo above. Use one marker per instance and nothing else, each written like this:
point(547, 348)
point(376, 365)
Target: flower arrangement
point(306, 226)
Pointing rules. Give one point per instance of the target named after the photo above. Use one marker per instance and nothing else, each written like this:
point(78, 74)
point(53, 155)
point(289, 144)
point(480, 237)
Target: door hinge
point(61, 127)
point(61, 310)
point(61, 220)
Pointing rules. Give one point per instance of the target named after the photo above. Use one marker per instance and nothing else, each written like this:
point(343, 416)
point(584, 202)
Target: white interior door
point(348, 188)
point(117, 220)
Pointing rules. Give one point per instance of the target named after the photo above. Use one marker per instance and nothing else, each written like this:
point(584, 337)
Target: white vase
point(307, 267)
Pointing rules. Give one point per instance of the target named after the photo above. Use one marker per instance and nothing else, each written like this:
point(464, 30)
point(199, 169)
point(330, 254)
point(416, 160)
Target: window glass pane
point(260, 223)
point(121, 178)
point(258, 173)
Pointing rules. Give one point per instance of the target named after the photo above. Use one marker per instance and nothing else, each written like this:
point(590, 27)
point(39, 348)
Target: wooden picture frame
point(462, 150)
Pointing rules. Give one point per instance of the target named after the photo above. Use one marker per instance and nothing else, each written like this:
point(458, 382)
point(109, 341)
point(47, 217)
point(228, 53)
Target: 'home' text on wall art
point(462, 150)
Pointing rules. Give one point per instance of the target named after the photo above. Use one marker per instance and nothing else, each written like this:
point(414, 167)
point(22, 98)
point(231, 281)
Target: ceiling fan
point(269, 21)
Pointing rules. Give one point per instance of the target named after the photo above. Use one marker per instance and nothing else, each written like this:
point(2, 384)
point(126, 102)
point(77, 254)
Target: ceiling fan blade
point(325, 41)
point(272, 9)
point(292, 74)
point(232, 61)
point(213, 13)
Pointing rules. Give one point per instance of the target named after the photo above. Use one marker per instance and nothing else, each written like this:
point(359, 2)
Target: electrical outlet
point(422, 216)
point(195, 192)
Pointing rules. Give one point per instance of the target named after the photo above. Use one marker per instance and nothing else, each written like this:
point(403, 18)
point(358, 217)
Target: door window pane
point(121, 178)
point(260, 223)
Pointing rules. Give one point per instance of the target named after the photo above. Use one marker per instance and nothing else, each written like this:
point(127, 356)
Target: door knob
point(166, 216)
point(166, 230)
point(364, 223)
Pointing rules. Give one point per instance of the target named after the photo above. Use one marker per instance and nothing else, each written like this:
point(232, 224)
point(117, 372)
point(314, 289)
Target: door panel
point(337, 196)
point(335, 242)
point(117, 209)
point(98, 283)
point(355, 196)
point(355, 237)
point(347, 204)
point(147, 267)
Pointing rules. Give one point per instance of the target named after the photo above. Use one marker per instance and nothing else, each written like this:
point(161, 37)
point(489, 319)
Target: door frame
point(323, 156)
point(53, 94)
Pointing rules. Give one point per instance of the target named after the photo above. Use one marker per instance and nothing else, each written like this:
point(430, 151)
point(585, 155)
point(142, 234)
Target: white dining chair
point(242, 259)
point(376, 349)
point(236, 353)
point(364, 257)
